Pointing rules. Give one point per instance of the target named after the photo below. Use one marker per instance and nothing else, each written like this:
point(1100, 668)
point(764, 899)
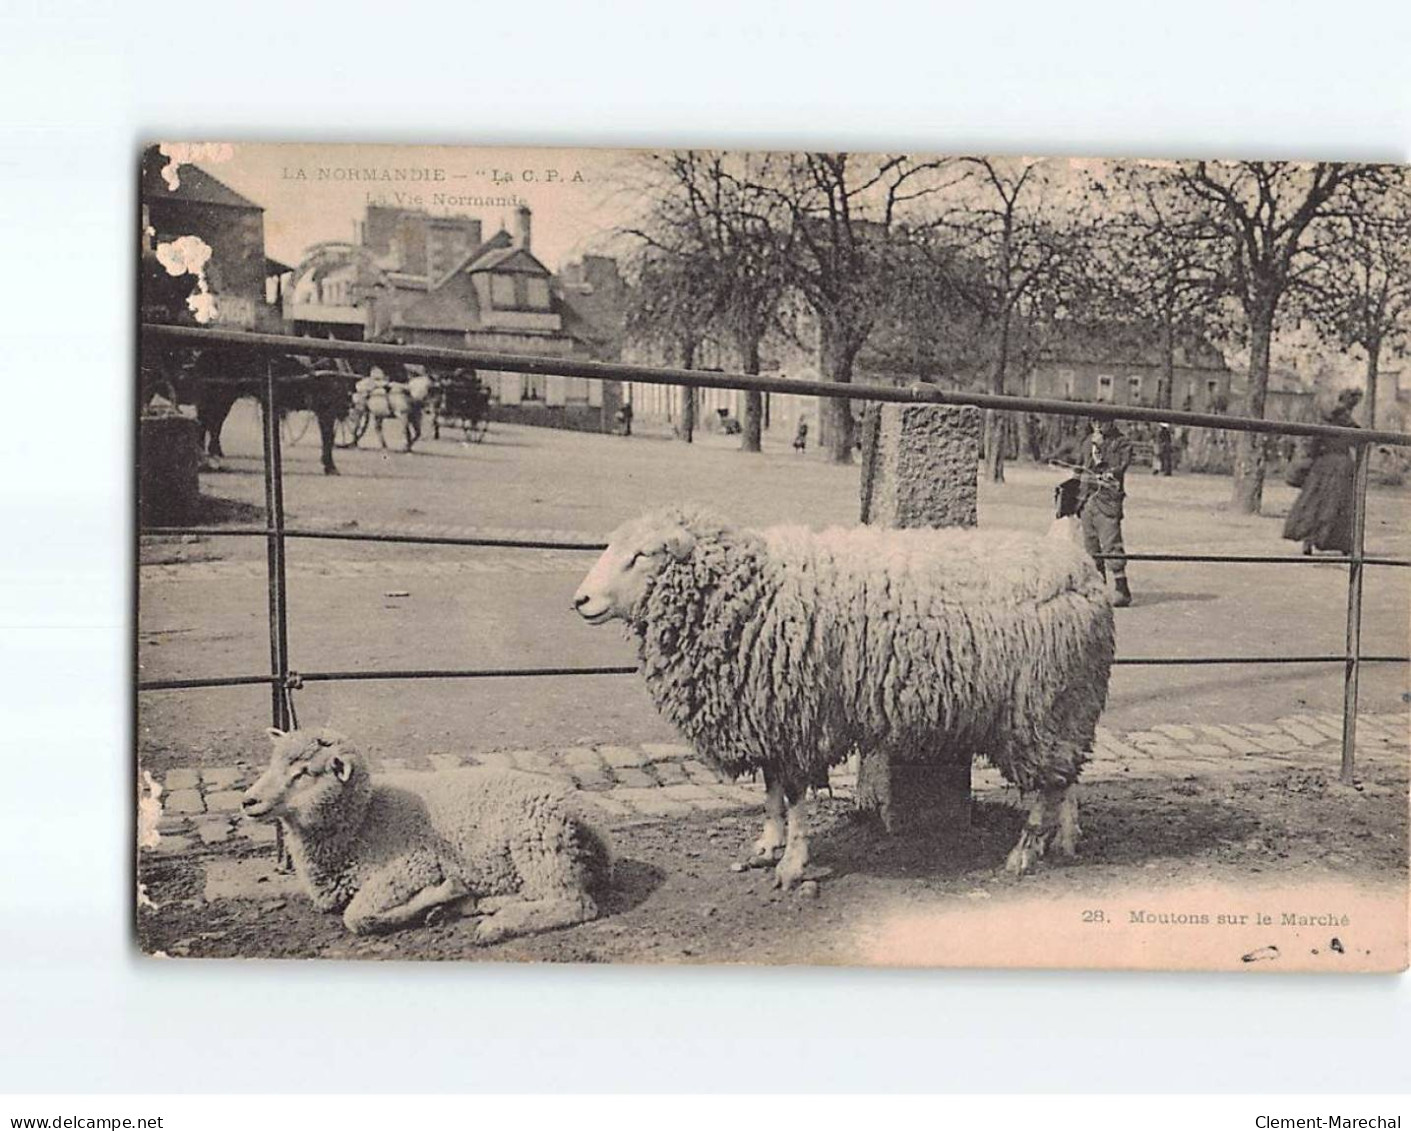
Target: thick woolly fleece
point(792, 648)
point(367, 845)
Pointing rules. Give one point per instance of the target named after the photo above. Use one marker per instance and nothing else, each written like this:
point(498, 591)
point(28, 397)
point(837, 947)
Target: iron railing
point(284, 680)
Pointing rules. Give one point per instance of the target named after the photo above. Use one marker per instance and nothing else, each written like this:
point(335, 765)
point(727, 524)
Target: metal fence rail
point(283, 681)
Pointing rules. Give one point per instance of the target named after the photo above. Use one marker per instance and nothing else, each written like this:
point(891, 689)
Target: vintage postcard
point(685, 556)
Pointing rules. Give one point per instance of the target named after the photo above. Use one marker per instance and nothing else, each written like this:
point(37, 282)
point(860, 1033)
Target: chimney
point(521, 227)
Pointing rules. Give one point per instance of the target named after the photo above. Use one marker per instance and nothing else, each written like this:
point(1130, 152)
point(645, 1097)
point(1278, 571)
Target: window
point(1134, 390)
point(1068, 383)
point(537, 294)
point(534, 385)
point(575, 390)
point(502, 290)
point(1104, 388)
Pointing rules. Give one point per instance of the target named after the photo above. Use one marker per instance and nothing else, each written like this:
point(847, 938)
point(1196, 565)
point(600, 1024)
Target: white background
point(82, 84)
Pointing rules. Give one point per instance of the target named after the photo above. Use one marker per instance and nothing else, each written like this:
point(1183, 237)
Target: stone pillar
point(169, 465)
point(920, 467)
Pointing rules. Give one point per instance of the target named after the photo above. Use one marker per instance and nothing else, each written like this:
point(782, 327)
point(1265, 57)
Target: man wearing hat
point(1106, 457)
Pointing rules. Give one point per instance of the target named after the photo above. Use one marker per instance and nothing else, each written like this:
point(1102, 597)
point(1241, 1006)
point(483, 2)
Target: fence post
point(274, 553)
point(1361, 467)
point(278, 604)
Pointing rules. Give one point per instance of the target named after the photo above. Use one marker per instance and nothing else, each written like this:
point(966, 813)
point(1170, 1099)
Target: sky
point(314, 193)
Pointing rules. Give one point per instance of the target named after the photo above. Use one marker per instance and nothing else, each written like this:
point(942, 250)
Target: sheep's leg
point(492, 903)
point(381, 906)
point(1048, 807)
point(771, 842)
point(1068, 830)
point(791, 867)
point(527, 916)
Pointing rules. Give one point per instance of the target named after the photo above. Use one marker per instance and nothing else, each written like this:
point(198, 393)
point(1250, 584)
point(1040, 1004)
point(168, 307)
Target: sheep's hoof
point(1025, 854)
point(490, 932)
point(766, 858)
point(788, 874)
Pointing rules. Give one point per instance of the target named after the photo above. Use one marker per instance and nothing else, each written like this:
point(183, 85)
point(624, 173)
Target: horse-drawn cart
point(462, 401)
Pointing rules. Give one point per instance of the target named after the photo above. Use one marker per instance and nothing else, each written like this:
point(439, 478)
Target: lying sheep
point(784, 650)
point(393, 851)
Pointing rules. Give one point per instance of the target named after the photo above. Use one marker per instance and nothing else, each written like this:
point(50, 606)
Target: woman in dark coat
point(1321, 517)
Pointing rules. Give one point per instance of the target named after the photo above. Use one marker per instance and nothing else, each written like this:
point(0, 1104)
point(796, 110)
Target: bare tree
point(719, 219)
point(846, 216)
point(1361, 289)
point(1018, 244)
point(1273, 213)
point(1164, 261)
point(670, 306)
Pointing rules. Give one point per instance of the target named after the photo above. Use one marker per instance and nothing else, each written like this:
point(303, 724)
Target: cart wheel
point(348, 430)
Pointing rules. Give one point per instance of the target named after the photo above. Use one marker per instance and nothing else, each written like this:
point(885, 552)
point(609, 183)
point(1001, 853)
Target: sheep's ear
point(679, 543)
point(342, 767)
point(275, 733)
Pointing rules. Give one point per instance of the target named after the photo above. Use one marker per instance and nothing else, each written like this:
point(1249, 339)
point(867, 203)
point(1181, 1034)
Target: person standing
point(1101, 500)
point(1321, 516)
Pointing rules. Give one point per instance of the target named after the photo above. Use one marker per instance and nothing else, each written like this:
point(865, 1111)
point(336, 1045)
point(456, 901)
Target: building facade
point(234, 277)
point(420, 279)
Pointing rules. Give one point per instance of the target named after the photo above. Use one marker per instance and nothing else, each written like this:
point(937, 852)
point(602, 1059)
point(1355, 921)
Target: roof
point(194, 185)
point(275, 267)
point(499, 240)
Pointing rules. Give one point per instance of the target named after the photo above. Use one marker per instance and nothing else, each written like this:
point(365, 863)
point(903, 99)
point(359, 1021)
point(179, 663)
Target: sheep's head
point(311, 777)
point(637, 552)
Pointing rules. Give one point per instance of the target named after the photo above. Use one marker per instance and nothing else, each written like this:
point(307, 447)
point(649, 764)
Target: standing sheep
point(784, 650)
point(390, 852)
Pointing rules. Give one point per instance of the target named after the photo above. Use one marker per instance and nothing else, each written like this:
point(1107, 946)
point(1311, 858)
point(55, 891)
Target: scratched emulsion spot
point(179, 153)
point(188, 255)
point(149, 812)
point(1263, 954)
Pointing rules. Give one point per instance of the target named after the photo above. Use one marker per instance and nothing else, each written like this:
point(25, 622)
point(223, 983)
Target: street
point(203, 602)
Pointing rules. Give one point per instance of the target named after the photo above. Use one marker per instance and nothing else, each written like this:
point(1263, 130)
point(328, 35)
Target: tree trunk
point(1374, 359)
point(994, 422)
point(835, 364)
point(1167, 380)
point(687, 430)
point(1248, 491)
point(688, 394)
point(754, 400)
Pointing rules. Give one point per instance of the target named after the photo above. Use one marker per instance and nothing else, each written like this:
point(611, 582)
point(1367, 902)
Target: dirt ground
point(203, 611)
point(676, 900)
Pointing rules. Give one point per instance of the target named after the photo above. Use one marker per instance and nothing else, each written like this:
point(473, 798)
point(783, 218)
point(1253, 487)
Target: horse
point(222, 375)
point(381, 399)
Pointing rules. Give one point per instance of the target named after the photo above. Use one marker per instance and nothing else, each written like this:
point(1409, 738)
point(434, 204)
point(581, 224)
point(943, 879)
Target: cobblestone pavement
point(662, 781)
